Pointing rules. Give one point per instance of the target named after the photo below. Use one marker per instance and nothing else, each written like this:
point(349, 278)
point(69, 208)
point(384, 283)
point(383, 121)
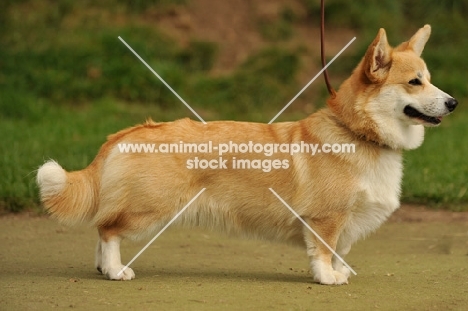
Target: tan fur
point(342, 196)
point(77, 201)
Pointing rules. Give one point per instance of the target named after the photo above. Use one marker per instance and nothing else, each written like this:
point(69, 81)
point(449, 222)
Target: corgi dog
point(380, 110)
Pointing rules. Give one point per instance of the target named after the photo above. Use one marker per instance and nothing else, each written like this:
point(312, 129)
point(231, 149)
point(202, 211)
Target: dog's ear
point(418, 41)
point(378, 57)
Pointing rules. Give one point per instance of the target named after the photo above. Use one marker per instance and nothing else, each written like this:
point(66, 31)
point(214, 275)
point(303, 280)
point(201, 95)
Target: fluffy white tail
point(68, 196)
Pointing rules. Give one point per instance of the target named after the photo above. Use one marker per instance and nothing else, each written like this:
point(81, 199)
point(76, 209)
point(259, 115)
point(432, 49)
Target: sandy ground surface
point(416, 261)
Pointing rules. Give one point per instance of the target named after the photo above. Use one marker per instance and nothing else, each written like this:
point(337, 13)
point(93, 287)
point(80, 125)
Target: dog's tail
point(71, 197)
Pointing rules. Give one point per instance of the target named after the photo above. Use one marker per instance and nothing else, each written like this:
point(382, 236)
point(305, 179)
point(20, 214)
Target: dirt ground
point(416, 261)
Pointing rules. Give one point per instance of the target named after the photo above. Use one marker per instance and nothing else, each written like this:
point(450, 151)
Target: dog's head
point(407, 79)
point(392, 93)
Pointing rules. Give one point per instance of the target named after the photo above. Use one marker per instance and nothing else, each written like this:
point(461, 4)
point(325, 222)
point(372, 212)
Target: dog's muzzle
point(411, 112)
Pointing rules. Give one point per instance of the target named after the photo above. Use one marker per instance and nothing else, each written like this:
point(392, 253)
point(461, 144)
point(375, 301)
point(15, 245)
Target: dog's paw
point(340, 278)
point(345, 271)
point(325, 274)
point(331, 278)
point(114, 273)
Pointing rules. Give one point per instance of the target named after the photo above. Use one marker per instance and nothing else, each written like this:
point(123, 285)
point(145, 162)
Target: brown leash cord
point(331, 91)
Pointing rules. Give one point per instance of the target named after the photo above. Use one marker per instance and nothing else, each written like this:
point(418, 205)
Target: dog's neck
point(360, 137)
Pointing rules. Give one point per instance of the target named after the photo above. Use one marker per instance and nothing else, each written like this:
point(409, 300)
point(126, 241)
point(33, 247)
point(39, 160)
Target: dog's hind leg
point(98, 258)
point(111, 265)
point(320, 256)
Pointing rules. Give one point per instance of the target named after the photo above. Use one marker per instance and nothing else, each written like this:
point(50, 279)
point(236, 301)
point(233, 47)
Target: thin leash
point(331, 91)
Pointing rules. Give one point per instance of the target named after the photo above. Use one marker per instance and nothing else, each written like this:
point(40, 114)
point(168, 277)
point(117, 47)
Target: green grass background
point(66, 82)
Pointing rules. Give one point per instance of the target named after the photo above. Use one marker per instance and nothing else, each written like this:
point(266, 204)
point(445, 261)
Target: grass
point(436, 173)
point(280, 28)
point(62, 92)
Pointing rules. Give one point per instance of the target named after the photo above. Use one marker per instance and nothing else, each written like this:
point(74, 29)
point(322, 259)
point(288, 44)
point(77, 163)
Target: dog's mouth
point(413, 113)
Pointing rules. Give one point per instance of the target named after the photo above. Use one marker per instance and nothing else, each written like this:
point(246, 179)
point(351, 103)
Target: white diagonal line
point(312, 230)
point(161, 231)
point(313, 79)
point(162, 80)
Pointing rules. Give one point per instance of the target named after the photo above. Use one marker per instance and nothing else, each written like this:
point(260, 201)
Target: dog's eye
point(415, 82)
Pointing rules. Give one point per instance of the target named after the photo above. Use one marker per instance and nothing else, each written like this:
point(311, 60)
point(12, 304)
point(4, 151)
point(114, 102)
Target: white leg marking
point(111, 264)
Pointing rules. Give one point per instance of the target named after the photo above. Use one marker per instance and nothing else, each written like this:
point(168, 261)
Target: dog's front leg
point(342, 251)
point(111, 264)
point(320, 256)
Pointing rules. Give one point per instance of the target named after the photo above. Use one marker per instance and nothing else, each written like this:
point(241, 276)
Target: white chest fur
point(380, 185)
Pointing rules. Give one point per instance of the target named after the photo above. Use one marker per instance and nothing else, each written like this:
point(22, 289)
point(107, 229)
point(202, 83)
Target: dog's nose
point(451, 104)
